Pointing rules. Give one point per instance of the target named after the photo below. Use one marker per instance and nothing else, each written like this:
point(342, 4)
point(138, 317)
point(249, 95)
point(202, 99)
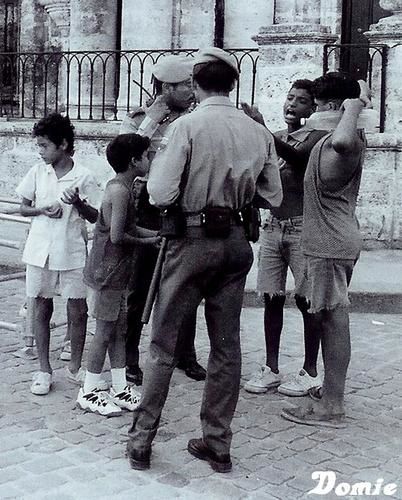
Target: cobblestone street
point(51, 449)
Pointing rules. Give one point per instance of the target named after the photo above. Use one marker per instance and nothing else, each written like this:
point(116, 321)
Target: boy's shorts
point(280, 249)
point(107, 305)
point(46, 283)
point(325, 282)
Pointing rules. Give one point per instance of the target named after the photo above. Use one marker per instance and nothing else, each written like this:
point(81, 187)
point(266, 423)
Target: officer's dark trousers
point(197, 267)
point(143, 268)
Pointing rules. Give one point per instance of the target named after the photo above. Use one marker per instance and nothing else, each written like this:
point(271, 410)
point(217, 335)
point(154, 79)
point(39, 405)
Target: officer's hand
point(158, 110)
point(71, 196)
point(54, 210)
point(252, 112)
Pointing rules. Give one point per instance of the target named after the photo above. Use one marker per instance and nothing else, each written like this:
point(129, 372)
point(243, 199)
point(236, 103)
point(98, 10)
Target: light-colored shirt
point(226, 156)
point(61, 241)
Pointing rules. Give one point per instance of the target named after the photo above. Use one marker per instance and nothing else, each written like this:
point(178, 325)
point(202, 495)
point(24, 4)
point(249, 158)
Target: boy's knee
point(77, 310)
point(302, 303)
point(274, 300)
point(42, 309)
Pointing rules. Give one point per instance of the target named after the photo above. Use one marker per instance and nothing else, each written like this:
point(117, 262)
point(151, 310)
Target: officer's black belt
point(198, 220)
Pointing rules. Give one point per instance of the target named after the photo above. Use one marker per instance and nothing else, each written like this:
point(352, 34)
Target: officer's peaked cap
point(213, 54)
point(173, 69)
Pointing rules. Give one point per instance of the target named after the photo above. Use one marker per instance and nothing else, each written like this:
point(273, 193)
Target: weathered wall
point(379, 205)
point(243, 19)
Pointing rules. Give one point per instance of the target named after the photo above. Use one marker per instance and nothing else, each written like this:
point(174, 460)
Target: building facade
point(92, 59)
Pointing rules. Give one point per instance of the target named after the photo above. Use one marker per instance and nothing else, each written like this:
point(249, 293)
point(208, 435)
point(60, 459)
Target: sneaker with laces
point(299, 385)
point(79, 378)
point(65, 354)
point(128, 398)
point(98, 402)
point(263, 380)
point(41, 383)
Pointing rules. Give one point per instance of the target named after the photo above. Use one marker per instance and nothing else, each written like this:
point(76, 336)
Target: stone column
point(288, 51)
point(388, 31)
point(58, 17)
point(92, 78)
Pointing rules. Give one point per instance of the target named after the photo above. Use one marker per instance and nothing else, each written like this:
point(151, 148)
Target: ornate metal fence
point(94, 85)
point(336, 56)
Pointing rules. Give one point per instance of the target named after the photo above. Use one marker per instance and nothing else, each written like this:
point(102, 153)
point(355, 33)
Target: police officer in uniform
point(212, 164)
point(174, 96)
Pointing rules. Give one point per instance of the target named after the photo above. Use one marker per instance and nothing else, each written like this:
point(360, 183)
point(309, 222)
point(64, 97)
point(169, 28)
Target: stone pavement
point(51, 450)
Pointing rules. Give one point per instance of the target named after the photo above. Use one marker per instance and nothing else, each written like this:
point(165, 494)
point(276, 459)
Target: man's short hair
point(336, 85)
point(304, 84)
point(215, 76)
point(125, 147)
point(56, 128)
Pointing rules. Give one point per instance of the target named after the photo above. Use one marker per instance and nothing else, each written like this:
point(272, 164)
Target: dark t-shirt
point(293, 163)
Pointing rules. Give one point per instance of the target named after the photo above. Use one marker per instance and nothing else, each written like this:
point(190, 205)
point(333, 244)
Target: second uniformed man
point(173, 98)
point(214, 162)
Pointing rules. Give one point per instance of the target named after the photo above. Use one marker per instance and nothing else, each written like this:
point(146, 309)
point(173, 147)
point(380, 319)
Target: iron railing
point(94, 85)
point(337, 56)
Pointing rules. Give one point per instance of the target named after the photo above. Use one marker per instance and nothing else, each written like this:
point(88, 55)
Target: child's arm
point(345, 138)
point(119, 200)
point(71, 196)
point(53, 211)
point(345, 149)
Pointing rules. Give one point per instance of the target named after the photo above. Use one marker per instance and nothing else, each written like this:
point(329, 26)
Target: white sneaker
point(128, 398)
point(299, 384)
point(98, 402)
point(263, 380)
point(41, 383)
point(79, 379)
point(65, 354)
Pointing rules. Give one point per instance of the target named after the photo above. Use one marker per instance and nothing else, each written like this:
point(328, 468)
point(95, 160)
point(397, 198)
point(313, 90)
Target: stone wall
point(379, 205)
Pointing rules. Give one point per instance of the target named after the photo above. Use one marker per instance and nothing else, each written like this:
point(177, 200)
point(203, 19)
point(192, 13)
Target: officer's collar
point(216, 100)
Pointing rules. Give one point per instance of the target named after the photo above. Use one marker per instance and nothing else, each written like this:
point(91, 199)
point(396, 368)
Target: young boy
point(58, 194)
point(280, 247)
point(331, 240)
point(107, 272)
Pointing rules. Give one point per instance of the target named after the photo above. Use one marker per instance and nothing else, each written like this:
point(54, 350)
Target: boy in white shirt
point(58, 195)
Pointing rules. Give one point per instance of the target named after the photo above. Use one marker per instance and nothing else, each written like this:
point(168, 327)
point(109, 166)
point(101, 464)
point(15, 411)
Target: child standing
point(58, 194)
point(107, 273)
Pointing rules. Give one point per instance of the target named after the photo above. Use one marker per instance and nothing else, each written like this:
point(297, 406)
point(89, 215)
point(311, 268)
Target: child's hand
point(252, 112)
point(71, 196)
point(158, 110)
point(154, 241)
point(54, 210)
point(365, 94)
point(355, 105)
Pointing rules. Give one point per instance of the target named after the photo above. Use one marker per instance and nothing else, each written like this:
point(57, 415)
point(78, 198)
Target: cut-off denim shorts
point(280, 249)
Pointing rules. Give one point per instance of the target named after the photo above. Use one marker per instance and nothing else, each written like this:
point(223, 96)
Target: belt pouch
point(217, 221)
point(252, 222)
point(173, 223)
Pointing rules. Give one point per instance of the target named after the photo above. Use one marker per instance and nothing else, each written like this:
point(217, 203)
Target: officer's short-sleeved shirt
point(226, 157)
point(60, 241)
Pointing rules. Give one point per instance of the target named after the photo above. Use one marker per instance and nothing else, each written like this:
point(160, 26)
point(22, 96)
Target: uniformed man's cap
point(173, 69)
point(213, 54)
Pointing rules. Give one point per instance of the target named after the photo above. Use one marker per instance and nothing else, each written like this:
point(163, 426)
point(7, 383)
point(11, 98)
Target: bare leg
point(336, 355)
point(77, 320)
point(273, 323)
point(117, 342)
point(42, 312)
point(100, 342)
point(311, 336)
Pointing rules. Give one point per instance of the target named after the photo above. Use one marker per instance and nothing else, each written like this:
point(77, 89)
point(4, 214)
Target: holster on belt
point(252, 222)
point(173, 222)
